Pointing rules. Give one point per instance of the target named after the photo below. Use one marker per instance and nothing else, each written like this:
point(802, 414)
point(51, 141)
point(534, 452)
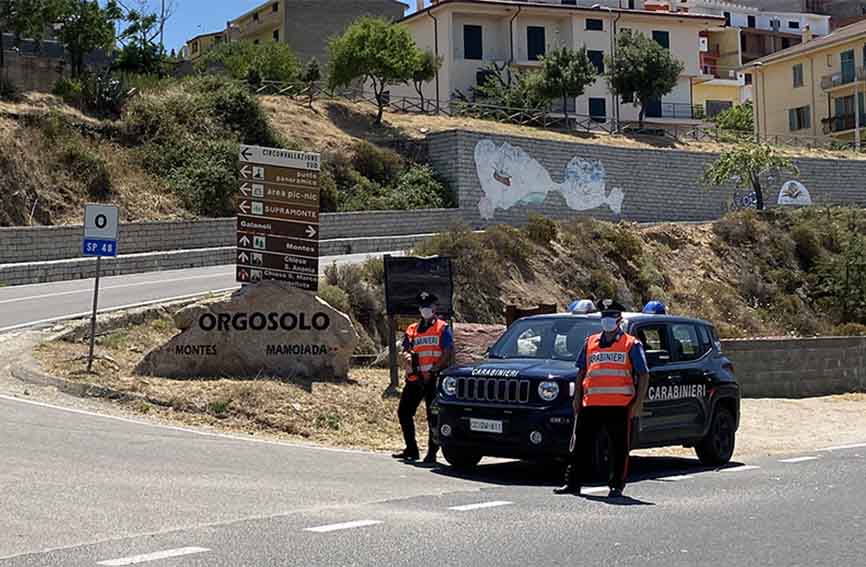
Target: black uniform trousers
point(590, 421)
point(413, 393)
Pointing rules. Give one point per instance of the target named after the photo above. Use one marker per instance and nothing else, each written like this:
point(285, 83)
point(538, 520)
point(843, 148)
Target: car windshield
point(550, 338)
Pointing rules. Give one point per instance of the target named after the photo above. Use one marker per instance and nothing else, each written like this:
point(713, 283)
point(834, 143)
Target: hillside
point(169, 153)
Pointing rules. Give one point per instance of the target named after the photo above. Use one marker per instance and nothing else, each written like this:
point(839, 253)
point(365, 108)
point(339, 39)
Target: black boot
point(571, 485)
point(407, 455)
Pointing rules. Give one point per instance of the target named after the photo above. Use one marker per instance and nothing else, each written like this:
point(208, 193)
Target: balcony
point(842, 123)
point(841, 79)
point(676, 110)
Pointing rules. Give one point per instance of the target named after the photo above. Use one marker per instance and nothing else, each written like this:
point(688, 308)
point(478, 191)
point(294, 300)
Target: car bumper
point(518, 423)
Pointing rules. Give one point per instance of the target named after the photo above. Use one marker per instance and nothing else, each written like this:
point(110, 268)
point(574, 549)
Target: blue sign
point(99, 247)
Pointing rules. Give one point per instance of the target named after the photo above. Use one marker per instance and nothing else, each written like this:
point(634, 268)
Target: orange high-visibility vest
point(427, 345)
point(609, 374)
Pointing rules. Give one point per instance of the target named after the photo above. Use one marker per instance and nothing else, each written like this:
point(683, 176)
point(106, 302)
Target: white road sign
point(277, 157)
point(100, 221)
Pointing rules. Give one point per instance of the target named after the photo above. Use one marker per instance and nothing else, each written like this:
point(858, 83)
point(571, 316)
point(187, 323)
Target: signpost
point(100, 239)
point(278, 217)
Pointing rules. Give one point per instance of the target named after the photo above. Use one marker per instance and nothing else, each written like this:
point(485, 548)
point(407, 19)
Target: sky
point(193, 17)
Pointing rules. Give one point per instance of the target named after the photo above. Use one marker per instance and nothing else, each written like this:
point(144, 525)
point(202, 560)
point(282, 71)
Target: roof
point(841, 35)
point(201, 35)
point(563, 7)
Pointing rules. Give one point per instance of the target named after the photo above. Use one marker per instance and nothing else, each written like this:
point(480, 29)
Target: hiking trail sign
point(278, 217)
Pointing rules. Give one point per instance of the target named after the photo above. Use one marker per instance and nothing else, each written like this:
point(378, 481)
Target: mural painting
point(510, 177)
point(794, 193)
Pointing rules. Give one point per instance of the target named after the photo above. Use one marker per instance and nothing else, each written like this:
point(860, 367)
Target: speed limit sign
point(100, 230)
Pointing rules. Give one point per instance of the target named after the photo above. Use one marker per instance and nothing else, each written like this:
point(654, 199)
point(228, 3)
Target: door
point(660, 422)
point(535, 42)
point(847, 61)
point(692, 344)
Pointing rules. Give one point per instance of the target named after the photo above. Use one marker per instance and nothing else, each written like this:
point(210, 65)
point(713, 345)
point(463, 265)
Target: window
point(597, 60)
point(561, 338)
point(685, 342)
point(793, 25)
point(663, 38)
point(594, 25)
point(655, 343)
point(705, 338)
point(751, 23)
point(798, 75)
point(631, 4)
point(799, 118)
point(727, 19)
point(570, 105)
point(847, 61)
point(715, 107)
point(276, 35)
point(570, 2)
point(748, 78)
point(598, 109)
point(472, 44)
point(535, 43)
point(743, 43)
point(786, 42)
point(275, 8)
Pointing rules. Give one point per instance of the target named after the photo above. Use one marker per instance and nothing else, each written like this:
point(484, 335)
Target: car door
point(691, 344)
point(661, 418)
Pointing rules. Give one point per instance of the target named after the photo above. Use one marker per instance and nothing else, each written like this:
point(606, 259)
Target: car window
point(685, 341)
point(560, 338)
point(706, 342)
point(655, 341)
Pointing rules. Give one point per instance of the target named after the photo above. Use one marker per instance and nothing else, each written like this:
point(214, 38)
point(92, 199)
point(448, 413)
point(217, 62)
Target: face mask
point(608, 324)
point(427, 312)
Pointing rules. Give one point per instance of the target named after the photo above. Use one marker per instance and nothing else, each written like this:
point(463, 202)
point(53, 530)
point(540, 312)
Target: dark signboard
point(407, 276)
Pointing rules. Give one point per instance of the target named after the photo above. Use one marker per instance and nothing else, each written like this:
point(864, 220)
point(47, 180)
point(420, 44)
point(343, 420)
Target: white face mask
point(427, 313)
point(608, 324)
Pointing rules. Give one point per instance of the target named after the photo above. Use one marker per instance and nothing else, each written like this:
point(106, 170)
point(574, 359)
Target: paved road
point(86, 490)
point(22, 306)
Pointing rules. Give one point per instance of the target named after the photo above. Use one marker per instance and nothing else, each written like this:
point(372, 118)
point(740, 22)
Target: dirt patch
point(354, 413)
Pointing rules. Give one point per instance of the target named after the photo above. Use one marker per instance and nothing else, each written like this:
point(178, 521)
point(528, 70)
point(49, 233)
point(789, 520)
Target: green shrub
point(328, 196)
point(602, 284)
point(244, 61)
point(808, 247)
point(508, 242)
point(335, 297)
point(206, 179)
point(87, 167)
point(376, 164)
point(70, 90)
point(540, 229)
point(8, 90)
point(737, 228)
point(416, 188)
point(850, 330)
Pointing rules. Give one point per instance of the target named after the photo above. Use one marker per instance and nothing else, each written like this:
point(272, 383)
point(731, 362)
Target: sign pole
point(93, 315)
point(392, 355)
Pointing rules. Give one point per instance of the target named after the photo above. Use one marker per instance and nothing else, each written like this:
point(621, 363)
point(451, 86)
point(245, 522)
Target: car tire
point(600, 456)
point(717, 447)
point(463, 459)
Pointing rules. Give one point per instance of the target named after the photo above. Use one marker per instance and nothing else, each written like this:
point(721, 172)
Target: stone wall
point(517, 176)
point(797, 368)
point(29, 73)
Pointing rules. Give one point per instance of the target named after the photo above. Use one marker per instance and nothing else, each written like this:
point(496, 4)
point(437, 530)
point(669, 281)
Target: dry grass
point(350, 414)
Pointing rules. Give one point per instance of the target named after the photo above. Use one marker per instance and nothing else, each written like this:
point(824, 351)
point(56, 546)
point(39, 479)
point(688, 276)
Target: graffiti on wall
point(510, 177)
point(794, 193)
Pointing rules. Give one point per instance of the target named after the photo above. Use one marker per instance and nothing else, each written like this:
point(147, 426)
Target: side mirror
point(657, 357)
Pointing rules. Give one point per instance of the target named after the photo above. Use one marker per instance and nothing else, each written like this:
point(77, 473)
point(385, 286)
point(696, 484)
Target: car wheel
point(717, 447)
point(461, 458)
point(601, 456)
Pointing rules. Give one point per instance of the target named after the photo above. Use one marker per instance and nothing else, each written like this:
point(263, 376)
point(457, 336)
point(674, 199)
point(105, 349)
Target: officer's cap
point(426, 299)
point(610, 308)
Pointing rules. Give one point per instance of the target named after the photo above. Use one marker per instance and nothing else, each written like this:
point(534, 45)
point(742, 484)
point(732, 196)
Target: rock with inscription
point(266, 329)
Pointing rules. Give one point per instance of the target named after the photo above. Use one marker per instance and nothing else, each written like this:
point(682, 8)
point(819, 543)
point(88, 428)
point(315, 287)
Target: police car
point(518, 402)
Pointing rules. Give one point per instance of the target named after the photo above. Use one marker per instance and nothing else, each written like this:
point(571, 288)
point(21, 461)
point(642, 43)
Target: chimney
point(807, 34)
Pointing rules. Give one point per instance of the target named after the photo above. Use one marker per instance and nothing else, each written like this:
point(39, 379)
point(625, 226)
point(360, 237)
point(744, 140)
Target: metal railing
point(677, 110)
point(842, 122)
point(842, 78)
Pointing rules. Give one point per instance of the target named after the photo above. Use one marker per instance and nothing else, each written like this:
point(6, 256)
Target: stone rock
point(266, 329)
point(471, 340)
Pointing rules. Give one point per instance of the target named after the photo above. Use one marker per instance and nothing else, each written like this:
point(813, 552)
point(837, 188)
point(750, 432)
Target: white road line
point(144, 558)
point(841, 447)
point(343, 526)
point(111, 309)
point(798, 459)
point(594, 490)
point(480, 505)
point(741, 468)
point(677, 477)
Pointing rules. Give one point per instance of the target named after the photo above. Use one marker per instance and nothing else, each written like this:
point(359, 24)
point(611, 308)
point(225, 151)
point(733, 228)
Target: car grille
point(493, 390)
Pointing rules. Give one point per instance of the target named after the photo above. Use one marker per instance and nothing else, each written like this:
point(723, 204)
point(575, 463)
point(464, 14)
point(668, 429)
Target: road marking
point(343, 526)
point(480, 505)
point(144, 558)
point(594, 490)
point(798, 459)
point(741, 468)
point(841, 447)
point(677, 477)
point(112, 309)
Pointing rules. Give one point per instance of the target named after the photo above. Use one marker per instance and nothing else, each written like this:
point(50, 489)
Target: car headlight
point(548, 391)
point(449, 385)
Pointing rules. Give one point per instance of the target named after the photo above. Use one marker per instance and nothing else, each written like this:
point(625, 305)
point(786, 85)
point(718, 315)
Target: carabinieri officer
point(612, 382)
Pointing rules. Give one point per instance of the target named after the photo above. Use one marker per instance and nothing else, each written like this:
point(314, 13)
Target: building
point(201, 44)
point(305, 25)
point(746, 34)
point(810, 89)
point(841, 12)
point(470, 34)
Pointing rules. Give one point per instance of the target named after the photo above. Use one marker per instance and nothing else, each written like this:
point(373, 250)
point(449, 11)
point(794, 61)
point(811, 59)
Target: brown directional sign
point(278, 216)
point(305, 197)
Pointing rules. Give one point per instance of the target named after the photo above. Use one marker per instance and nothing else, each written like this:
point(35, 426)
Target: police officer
point(427, 348)
point(611, 386)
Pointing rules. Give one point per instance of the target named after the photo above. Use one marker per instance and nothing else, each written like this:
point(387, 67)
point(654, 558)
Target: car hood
point(516, 368)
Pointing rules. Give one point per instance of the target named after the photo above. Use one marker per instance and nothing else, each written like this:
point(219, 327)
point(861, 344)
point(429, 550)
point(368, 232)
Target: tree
point(425, 71)
point(566, 73)
point(310, 77)
point(85, 26)
point(28, 19)
point(643, 69)
point(270, 61)
point(503, 87)
point(745, 165)
point(738, 118)
point(376, 52)
point(140, 52)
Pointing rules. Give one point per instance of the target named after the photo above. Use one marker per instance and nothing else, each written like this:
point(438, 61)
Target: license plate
point(486, 425)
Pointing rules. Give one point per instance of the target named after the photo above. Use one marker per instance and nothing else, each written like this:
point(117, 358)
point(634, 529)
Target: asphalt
point(86, 489)
point(28, 305)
